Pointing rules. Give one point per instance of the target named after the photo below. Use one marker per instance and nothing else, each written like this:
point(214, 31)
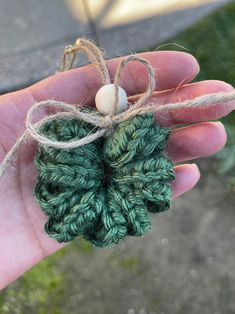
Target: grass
point(212, 42)
point(40, 290)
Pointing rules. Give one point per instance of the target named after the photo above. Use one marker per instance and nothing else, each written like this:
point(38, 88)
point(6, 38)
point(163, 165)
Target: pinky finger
point(187, 176)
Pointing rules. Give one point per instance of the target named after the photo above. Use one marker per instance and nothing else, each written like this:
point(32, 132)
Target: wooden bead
point(105, 99)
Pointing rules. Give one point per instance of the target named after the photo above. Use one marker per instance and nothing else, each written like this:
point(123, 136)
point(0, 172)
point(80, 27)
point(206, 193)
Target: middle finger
point(188, 92)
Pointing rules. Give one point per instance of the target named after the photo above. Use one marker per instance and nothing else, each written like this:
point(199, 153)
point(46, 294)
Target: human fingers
point(81, 84)
point(196, 141)
point(192, 115)
point(187, 176)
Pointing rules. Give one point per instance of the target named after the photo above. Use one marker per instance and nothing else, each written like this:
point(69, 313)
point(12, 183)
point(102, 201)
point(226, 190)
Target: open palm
point(23, 241)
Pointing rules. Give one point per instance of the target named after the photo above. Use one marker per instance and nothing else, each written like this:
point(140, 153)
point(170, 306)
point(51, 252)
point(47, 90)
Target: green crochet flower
point(104, 190)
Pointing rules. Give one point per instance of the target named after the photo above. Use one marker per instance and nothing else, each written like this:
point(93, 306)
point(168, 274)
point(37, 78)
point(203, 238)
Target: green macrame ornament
point(104, 190)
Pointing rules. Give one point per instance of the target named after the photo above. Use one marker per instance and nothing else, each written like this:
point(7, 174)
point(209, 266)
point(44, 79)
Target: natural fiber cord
point(103, 190)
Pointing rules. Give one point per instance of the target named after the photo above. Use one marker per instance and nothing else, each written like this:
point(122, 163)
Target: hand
point(23, 241)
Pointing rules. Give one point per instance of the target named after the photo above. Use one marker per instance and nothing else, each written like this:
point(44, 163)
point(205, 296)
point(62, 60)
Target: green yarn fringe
point(104, 190)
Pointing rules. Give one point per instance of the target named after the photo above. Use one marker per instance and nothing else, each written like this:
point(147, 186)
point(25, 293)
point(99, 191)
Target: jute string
point(102, 124)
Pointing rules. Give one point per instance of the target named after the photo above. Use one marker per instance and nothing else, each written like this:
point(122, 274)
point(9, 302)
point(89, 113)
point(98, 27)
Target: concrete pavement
point(33, 34)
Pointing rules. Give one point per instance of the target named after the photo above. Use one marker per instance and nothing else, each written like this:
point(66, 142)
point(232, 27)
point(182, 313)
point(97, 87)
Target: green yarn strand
point(104, 190)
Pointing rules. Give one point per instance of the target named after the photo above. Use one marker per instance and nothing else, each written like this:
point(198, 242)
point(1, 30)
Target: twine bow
point(103, 124)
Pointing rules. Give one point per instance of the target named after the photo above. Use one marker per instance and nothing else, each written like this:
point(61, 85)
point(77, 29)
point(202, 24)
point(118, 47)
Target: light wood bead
point(105, 99)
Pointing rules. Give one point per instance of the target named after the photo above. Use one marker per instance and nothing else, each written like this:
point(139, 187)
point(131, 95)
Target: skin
point(23, 241)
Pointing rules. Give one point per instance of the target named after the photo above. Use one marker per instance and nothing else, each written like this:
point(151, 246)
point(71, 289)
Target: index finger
point(81, 84)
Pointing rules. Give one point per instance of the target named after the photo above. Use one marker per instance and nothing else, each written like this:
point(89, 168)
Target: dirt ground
point(186, 264)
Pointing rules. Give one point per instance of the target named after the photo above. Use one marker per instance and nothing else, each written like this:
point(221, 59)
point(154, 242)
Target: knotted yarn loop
point(107, 122)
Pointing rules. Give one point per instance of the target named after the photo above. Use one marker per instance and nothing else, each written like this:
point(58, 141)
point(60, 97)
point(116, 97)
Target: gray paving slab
point(33, 34)
point(30, 25)
point(184, 265)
